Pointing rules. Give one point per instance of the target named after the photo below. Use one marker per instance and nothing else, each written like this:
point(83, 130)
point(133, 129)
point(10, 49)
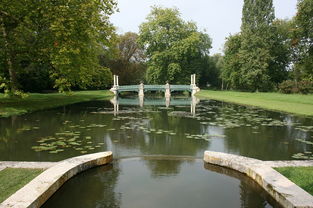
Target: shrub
point(305, 86)
point(289, 86)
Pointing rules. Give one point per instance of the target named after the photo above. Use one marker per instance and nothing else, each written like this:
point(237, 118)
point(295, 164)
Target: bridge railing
point(128, 88)
point(153, 87)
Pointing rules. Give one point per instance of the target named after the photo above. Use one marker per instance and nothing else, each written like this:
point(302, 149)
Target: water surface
point(168, 128)
point(154, 183)
point(60, 133)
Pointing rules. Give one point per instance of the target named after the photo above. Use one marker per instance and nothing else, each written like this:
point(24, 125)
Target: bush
point(305, 86)
point(289, 86)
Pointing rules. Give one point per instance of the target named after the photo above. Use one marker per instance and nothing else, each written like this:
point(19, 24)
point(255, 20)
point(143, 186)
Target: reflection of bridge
point(140, 101)
point(154, 102)
point(167, 88)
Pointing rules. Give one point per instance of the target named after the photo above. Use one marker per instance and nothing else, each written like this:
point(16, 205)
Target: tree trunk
point(12, 73)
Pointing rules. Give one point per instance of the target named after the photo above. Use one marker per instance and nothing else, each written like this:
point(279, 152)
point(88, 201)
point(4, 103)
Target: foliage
point(287, 87)
point(210, 71)
point(231, 69)
point(126, 59)
point(174, 48)
point(53, 43)
point(303, 87)
point(303, 40)
point(294, 103)
point(256, 59)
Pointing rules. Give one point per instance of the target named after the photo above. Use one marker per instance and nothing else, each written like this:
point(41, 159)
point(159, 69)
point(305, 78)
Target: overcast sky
point(219, 17)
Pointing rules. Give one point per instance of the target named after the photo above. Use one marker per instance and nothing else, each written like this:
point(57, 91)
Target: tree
point(211, 68)
point(61, 39)
point(174, 48)
point(126, 59)
point(255, 55)
point(303, 40)
point(231, 74)
point(258, 57)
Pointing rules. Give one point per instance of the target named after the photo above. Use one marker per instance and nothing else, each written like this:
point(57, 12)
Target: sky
point(219, 18)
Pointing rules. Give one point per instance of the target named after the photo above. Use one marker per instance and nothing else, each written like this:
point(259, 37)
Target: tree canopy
point(57, 41)
point(174, 48)
point(257, 57)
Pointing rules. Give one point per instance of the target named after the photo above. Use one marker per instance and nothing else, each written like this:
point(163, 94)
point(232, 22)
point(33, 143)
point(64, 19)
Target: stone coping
point(41, 188)
point(31, 165)
point(279, 187)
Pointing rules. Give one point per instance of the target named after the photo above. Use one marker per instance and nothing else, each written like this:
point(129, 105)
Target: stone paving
point(279, 187)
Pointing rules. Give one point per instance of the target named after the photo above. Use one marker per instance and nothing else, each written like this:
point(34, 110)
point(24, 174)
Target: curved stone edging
point(39, 190)
point(279, 187)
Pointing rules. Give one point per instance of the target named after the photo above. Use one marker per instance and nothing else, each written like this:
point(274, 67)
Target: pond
point(140, 132)
point(60, 133)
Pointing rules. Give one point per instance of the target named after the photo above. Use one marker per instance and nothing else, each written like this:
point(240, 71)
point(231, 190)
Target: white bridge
point(167, 88)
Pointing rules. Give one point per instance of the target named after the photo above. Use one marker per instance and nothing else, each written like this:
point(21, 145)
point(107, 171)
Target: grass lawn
point(12, 179)
point(290, 103)
point(37, 101)
point(302, 176)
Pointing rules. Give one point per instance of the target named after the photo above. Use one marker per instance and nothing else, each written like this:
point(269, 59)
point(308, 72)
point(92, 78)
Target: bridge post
point(141, 90)
point(167, 101)
point(114, 89)
point(115, 103)
point(167, 90)
point(141, 101)
point(193, 86)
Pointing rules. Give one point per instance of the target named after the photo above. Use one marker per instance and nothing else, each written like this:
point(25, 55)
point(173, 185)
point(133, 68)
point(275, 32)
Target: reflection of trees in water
point(254, 138)
point(93, 188)
point(153, 143)
point(161, 168)
point(274, 143)
point(17, 133)
point(166, 165)
point(251, 194)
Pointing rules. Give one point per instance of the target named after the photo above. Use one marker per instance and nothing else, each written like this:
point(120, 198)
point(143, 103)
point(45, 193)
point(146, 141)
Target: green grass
point(12, 179)
point(302, 176)
point(37, 101)
point(290, 103)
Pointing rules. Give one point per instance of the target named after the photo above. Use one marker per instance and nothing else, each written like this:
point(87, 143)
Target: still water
point(154, 183)
point(182, 129)
point(135, 129)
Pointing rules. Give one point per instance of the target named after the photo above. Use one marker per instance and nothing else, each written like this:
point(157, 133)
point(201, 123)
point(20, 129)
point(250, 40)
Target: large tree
point(58, 39)
point(230, 74)
point(173, 46)
point(303, 40)
point(257, 57)
point(126, 59)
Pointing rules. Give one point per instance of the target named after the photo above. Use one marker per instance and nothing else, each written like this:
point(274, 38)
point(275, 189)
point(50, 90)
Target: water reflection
point(134, 183)
point(167, 101)
point(152, 129)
